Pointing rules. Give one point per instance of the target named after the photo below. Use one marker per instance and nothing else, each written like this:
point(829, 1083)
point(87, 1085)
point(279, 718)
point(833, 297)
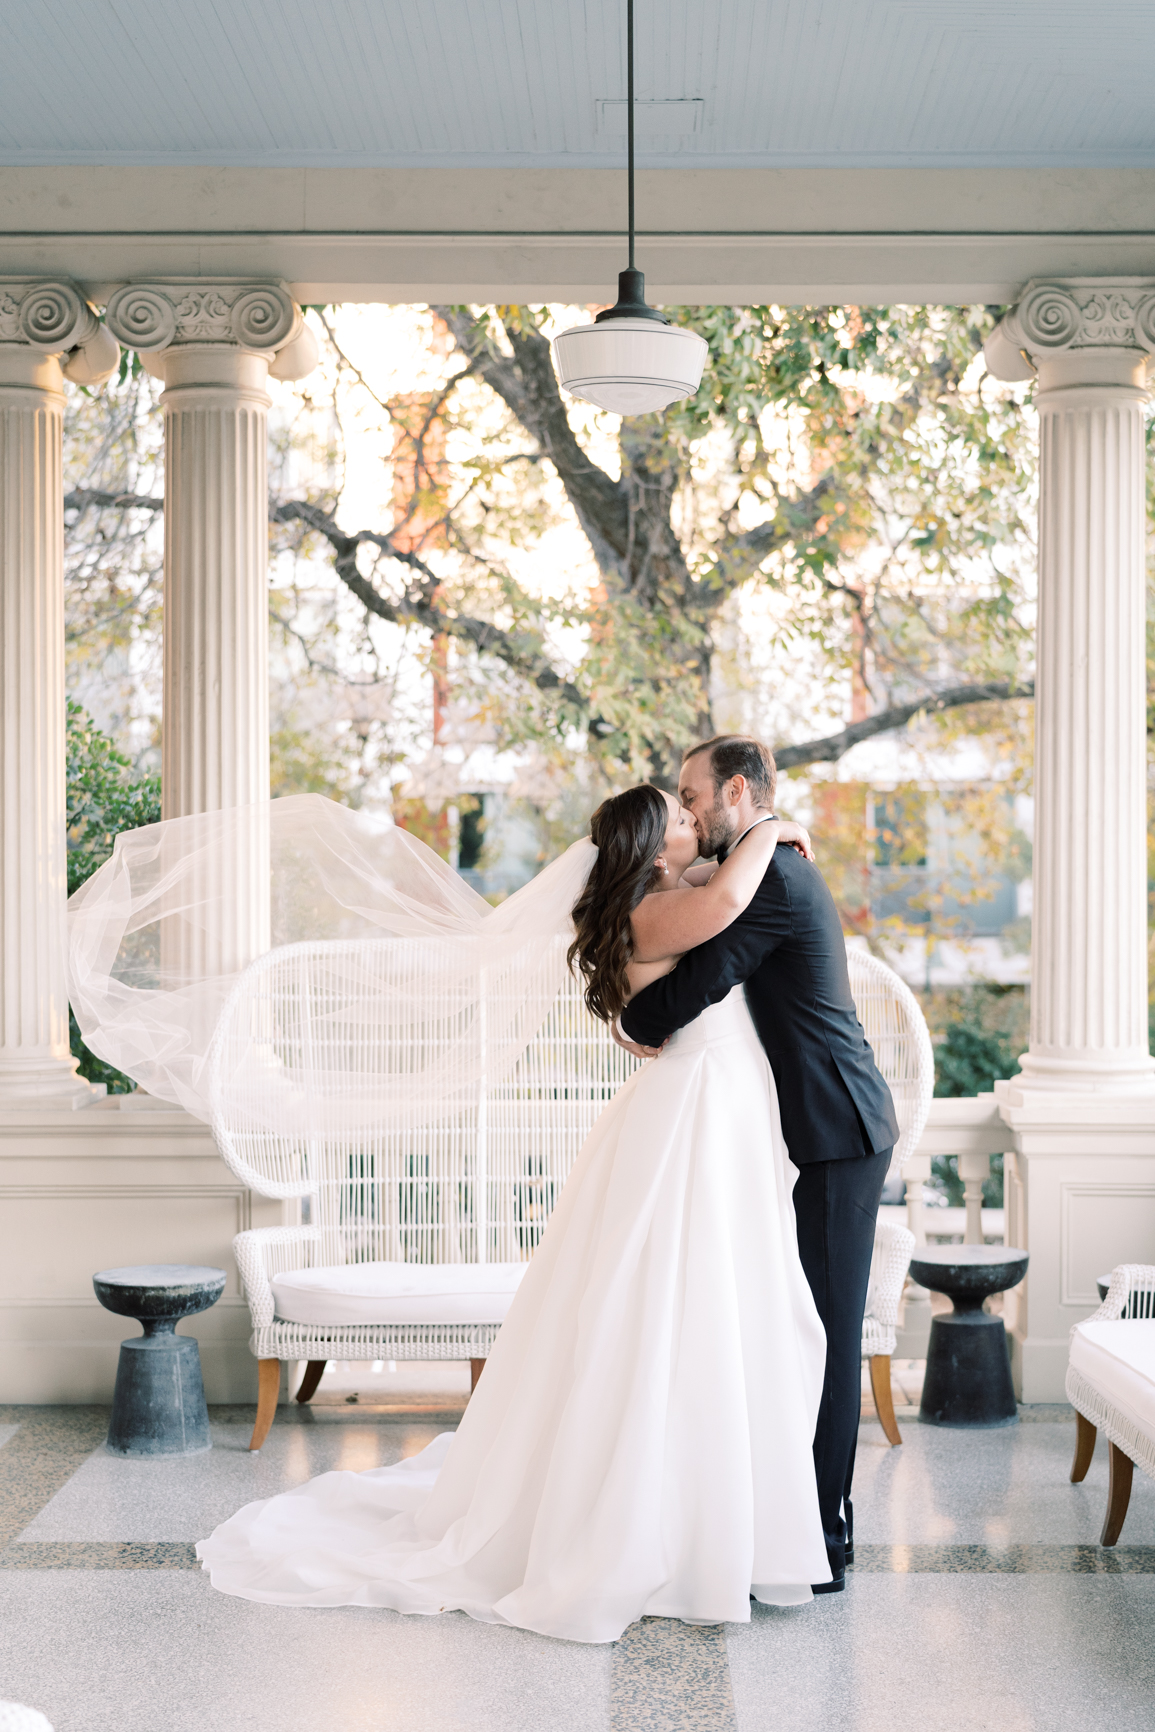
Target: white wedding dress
point(640, 1441)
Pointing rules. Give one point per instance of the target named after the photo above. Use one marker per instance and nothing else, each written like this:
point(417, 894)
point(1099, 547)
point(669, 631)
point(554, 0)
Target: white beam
point(795, 236)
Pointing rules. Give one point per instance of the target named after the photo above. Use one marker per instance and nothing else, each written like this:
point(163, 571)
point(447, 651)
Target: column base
point(49, 1083)
point(1039, 1077)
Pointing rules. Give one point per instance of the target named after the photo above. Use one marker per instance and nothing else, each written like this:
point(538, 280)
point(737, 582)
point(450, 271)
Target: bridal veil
point(160, 937)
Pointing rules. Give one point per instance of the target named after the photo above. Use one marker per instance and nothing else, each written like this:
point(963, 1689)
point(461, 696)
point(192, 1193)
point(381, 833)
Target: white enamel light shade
point(629, 366)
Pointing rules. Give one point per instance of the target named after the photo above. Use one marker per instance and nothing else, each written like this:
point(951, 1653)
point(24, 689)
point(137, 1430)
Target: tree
point(853, 466)
point(848, 459)
point(835, 455)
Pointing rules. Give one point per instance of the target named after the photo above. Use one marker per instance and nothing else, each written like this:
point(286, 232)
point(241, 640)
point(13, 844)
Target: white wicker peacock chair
point(414, 1238)
point(896, 1029)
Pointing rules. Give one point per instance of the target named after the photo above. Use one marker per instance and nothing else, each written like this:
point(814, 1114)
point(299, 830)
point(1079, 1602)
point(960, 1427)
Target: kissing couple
point(666, 1424)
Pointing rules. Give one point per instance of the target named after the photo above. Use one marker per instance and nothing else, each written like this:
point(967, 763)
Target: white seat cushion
point(398, 1293)
point(1119, 1359)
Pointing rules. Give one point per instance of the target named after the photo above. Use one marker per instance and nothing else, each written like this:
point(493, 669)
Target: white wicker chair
point(1111, 1386)
point(896, 1029)
point(474, 1190)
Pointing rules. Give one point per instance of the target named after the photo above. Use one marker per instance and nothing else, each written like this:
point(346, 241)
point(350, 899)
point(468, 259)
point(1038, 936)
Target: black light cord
point(630, 118)
point(631, 301)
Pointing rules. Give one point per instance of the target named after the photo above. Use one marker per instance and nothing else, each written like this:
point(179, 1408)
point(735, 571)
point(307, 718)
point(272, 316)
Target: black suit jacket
point(789, 950)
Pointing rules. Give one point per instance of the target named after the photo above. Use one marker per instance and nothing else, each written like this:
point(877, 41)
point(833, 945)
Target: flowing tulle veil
point(160, 936)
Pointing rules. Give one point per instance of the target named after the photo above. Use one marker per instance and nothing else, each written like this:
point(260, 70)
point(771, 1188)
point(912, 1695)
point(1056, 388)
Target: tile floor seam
point(666, 1676)
point(1028, 1560)
point(99, 1555)
point(48, 1448)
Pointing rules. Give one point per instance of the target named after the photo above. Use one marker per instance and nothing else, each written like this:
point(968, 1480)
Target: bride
point(640, 1441)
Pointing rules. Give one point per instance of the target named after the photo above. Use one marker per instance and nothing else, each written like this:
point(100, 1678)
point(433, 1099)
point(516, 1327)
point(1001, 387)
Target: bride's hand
point(797, 838)
point(631, 1046)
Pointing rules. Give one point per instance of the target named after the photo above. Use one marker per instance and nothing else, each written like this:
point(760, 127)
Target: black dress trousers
point(836, 1203)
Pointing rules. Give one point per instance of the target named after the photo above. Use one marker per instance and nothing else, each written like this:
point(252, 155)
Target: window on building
point(471, 832)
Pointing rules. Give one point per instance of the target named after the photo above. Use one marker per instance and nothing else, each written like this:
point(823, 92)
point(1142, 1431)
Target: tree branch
point(829, 750)
point(418, 604)
point(82, 497)
point(526, 383)
point(742, 552)
point(416, 607)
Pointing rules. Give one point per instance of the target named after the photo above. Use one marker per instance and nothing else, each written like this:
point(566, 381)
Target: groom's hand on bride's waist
point(632, 1045)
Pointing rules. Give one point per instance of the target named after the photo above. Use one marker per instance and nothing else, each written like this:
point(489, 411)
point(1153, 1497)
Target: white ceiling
point(538, 83)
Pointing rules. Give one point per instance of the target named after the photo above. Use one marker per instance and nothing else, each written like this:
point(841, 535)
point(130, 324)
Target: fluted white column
point(35, 1061)
point(216, 603)
point(38, 323)
point(213, 344)
point(1089, 343)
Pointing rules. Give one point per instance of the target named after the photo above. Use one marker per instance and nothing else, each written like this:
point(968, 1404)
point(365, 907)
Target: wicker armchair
point(1111, 1386)
point(896, 1029)
point(414, 1238)
point(893, 1248)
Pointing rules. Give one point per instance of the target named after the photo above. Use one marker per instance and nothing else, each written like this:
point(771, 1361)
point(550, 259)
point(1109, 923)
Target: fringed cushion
point(1111, 1379)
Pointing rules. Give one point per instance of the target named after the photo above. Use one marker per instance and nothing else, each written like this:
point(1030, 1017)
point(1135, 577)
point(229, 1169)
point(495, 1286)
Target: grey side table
point(158, 1406)
point(968, 1368)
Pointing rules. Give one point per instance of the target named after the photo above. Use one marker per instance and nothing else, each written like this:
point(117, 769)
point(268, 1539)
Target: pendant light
point(631, 360)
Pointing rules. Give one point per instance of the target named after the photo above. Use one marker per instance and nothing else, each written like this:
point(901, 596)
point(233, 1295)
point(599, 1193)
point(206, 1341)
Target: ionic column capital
point(1100, 330)
point(187, 313)
point(52, 318)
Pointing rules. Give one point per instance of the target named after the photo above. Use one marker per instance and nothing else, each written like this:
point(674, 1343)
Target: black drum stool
point(968, 1367)
point(158, 1407)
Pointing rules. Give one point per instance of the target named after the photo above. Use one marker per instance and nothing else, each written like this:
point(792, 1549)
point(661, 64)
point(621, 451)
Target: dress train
point(640, 1441)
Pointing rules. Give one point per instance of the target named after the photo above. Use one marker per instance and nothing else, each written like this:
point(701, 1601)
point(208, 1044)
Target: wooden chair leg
point(1119, 1495)
point(1085, 1435)
point(476, 1367)
point(883, 1399)
point(268, 1389)
point(313, 1374)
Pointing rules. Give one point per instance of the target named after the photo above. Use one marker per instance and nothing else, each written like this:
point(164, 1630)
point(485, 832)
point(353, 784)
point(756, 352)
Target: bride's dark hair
point(629, 831)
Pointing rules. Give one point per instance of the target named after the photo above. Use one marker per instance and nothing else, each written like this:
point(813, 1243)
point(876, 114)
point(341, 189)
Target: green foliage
point(104, 798)
point(970, 1061)
point(890, 496)
point(945, 1178)
point(979, 1033)
point(130, 366)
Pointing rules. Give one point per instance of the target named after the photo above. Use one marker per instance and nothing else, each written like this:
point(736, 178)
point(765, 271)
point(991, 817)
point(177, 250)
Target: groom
point(837, 1112)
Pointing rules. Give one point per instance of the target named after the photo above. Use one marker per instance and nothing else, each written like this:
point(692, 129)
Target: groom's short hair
point(739, 755)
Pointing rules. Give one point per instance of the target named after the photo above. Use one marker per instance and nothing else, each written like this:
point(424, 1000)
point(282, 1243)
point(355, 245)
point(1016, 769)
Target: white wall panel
point(115, 1184)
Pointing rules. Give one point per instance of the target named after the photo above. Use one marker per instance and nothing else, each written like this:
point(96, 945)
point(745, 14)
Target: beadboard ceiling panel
point(525, 83)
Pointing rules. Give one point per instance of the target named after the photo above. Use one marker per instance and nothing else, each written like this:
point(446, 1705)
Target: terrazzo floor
point(978, 1574)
